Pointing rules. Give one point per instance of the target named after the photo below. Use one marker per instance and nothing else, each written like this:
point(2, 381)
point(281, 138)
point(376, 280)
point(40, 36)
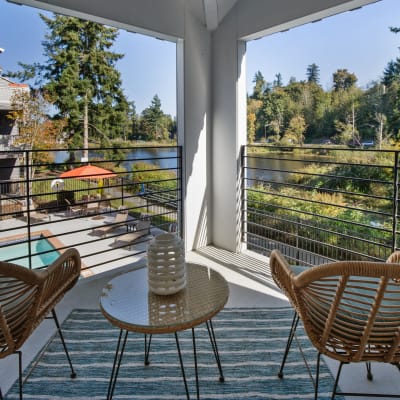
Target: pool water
point(20, 249)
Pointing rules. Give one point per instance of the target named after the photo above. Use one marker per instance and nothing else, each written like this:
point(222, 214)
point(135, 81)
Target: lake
point(165, 157)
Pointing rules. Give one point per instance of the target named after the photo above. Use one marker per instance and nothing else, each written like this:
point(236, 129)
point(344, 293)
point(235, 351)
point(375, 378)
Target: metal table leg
point(119, 352)
point(214, 346)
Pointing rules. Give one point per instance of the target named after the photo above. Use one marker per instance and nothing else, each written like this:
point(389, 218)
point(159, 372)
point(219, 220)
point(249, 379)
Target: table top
point(131, 306)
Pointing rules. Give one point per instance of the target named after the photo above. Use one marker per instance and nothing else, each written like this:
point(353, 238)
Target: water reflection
point(164, 157)
point(272, 169)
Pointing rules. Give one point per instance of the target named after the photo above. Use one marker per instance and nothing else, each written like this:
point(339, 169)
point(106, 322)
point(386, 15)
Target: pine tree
point(153, 124)
point(313, 73)
point(81, 78)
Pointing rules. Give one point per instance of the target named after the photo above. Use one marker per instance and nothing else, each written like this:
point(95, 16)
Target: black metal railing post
point(180, 186)
point(395, 199)
point(28, 205)
point(243, 206)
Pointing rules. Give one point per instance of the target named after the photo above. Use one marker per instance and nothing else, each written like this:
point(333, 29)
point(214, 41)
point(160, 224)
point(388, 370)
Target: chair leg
point(337, 380)
point(53, 312)
point(20, 372)
point(292, 332)
point(370, 377)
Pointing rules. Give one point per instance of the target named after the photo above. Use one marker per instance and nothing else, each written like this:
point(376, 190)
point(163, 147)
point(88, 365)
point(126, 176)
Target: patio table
point(142, 311)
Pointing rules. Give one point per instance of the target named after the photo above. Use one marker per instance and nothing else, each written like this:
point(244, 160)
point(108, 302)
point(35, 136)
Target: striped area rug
point(250, 341)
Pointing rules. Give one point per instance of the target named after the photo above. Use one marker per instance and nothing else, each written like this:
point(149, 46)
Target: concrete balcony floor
point(250, 284)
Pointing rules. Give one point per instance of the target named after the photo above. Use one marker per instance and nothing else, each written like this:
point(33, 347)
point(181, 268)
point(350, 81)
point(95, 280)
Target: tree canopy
point(345, 114)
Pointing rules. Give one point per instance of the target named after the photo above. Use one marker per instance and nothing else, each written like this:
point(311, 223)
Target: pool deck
point(65, 231)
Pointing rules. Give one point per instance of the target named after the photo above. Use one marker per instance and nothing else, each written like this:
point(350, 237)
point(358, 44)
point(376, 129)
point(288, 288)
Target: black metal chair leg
point(53, 312)
point(20, 373)
point(292, 332)
point(214, 346)
point(182, 367)
point(316, 383)
point(337, 380)
point(147, 344)
point(1, 395)
point(370, 377)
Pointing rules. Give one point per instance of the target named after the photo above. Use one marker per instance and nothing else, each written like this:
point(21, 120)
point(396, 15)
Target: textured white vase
point(166, 264)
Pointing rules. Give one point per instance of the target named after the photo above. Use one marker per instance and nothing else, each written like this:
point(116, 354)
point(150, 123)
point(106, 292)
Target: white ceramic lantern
point(166, 264)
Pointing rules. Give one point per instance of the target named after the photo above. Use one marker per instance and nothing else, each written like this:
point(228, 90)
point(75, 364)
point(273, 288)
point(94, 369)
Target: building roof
point(7, 89)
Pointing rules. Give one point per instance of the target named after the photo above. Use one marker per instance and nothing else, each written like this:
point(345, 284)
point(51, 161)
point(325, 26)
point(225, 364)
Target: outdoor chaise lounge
point(112, 224)
point(74, 209)
point(142, 229)
point(93, 207)
point(35, 216)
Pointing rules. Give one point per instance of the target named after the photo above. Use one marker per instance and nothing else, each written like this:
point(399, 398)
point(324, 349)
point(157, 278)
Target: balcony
point(247, 272)
point(211, 93)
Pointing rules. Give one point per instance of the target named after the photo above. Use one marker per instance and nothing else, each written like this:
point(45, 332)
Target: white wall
point(196, 130)
point(229, 132)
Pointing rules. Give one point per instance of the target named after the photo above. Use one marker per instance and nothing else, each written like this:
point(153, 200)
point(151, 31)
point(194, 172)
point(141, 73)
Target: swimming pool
point(10, 251)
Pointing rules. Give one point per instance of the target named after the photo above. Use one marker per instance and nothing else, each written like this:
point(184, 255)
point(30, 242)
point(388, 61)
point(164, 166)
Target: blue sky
point(359, 41)
point(148, 68)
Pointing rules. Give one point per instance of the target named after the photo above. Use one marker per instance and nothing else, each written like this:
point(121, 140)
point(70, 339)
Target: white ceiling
point(215, 11)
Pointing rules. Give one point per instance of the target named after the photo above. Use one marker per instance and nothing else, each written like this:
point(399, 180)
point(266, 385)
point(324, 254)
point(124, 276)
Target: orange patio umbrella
point(88, 172)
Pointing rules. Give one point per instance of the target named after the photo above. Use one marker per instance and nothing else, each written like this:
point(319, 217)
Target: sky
point(359, 41)
point(148, 68)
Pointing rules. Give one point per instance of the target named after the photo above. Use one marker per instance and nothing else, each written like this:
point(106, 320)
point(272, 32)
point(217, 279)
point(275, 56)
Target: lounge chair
point(73, 209)
point(93, 207)
point(142, 229)
point(35, 216)
point(115, 223)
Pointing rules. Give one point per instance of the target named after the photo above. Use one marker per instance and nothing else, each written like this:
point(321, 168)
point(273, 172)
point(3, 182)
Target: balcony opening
point(320, 168)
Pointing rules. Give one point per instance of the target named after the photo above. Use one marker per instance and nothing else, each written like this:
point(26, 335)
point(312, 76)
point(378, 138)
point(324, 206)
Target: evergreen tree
point(391, 80)
point(278, 80)
point(259, 86)
point(81, 78)
point(153, 124)
point(313, 73)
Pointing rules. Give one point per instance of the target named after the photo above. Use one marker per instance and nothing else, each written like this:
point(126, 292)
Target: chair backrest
point(143, 225)
point(26, 296)
point(351, 310)
point(19, 301)
point(121, 217)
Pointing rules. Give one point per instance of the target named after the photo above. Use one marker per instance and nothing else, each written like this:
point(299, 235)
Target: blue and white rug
point(250, 341)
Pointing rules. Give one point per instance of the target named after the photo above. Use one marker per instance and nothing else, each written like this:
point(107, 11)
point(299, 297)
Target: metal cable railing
point(43, 212)
point(320, 204)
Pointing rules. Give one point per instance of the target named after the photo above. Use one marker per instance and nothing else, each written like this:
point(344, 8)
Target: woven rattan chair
point(28, 296)
point(349, 310)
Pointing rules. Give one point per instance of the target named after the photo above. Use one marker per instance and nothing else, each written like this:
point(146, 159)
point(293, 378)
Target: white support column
point(194, 87)
point(229, 133)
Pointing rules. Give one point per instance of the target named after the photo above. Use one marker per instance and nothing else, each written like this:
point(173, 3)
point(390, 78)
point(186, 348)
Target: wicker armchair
point(350, 310)
point(28, 296)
